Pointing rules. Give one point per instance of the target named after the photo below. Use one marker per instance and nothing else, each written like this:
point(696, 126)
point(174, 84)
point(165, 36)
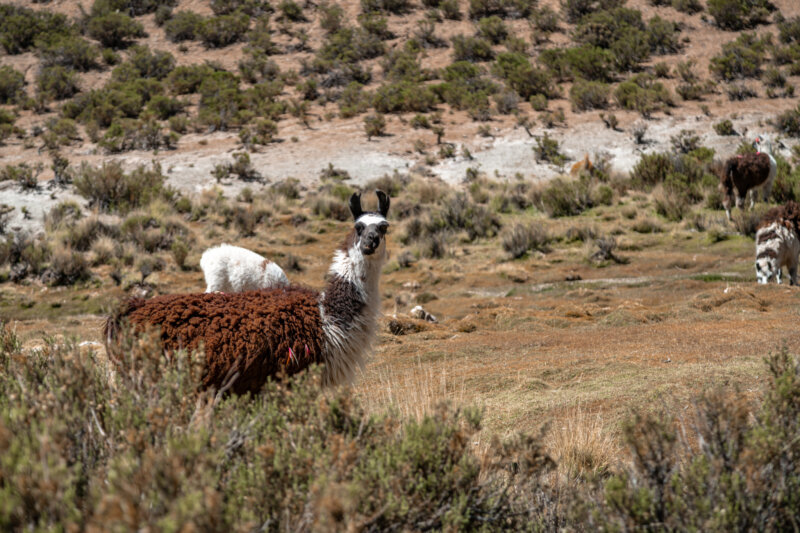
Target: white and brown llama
point(251, 336)
point(229, 268)
point(778, 243)
point(746, 173)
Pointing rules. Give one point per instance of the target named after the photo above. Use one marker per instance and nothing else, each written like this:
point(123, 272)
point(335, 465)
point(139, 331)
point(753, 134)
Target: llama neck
point(350, 306)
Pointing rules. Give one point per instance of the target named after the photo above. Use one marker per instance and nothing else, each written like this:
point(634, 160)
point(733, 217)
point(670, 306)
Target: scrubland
point(602, 356)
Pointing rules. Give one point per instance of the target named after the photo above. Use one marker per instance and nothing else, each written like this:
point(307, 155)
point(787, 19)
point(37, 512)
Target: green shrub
point(374, 125)
point(263, 131)
point(60, 132)
point(451, 9)
point(663, 36)
point(24, 174)
point(134, 8)
point(642, 94)
point(70, 51)
point(788, 122)
point(176, 466)
point(738, 477)
point(650, 170)
point(724, 127)
point(522, 238)
point(110, 189)
point(12, 85)
point(291, 10)
point(22, 27)
point(737, 15)
point(564, 197)
point(350, 45)
point(473, 49)
point(589, 62)
point(740, 58)
point(523, 77)
point(353, 100)
point(57, 83)
point(142, 63)
point(789, 30)
point(398, 7)
point(585, 95)
point(547, 149)
point(687, 6)
point(186, 79)
point(66, 267)
point(254, 8)
point(493, 29)
point(114, 30)
point(224, 30)
point(404, 97)
point(183, 26)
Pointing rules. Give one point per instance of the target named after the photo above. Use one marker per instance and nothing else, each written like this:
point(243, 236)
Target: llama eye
point(359, 228)
point(382, 228)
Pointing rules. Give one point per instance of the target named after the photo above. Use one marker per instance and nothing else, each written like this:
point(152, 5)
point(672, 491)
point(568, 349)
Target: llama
point(233, 269)
point(747, 172)
point(584, 165)
point(778, 243)
point(251, 336)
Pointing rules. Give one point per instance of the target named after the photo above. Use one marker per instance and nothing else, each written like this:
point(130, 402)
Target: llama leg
point(793, 275)
point(728, 213)
point(778, 276)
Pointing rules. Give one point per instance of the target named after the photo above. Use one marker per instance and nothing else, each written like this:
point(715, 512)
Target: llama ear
point(355, 205)
point(383, 203)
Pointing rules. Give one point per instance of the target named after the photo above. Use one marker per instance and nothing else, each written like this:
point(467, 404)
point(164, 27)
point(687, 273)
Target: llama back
point(255, 334)
point(233, 269)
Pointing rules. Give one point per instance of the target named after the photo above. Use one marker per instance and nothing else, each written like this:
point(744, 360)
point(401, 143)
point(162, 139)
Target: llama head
point(762, 143)
point(370, 227)
point(767, 268)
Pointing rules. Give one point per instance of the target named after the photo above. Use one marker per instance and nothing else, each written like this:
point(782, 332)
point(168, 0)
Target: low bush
point(547, 149)
point(564, 197)
point(397, 7)
point(70, 51)
point(235, 449)
point(492, 29)
point(254, 8)
point(224, 30)
point(585, 95)
point(650, 170)
point(788, 122)
point(66, 267)
point(737, 15)
point(57, 83)
point(404, 97)
point(374, 125)
point(12, 85)
point(475, 49)
point(111, 189)
point(523, 77)
point(114, 29)
point(724, 127)
point(522, 238)
point(741, 58)
point(183, 26)
point(22, 27)
point(26, 176)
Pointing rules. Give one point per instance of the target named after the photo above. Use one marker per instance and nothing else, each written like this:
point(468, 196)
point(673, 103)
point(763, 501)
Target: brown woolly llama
point(251, 336)
point(745, 173)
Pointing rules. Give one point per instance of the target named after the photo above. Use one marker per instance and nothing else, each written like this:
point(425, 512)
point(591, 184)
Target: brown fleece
point(787, 215)
point(742, 173)
point(250, 332)
point(766, 236)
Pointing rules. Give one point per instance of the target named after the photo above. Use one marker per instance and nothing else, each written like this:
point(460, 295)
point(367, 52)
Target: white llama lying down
point(233, 269)
point(776, 246)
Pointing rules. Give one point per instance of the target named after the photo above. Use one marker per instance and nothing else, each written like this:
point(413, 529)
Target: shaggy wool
point(257, 334)
point(744, 172)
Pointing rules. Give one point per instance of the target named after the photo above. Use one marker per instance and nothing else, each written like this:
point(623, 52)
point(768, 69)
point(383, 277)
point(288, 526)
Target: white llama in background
point(233, 269)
